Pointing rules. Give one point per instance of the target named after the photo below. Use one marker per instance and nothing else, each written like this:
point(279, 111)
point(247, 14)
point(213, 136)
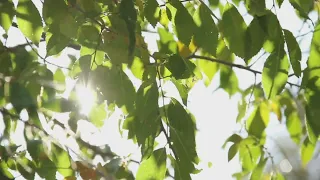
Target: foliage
point(194, 44)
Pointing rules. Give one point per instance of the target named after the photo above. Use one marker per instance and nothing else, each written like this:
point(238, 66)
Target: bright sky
point(214, 111)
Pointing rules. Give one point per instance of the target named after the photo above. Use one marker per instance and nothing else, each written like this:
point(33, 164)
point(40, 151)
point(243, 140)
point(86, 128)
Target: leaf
point(275, 74)
point(303, 7)
point(183, 22)
point(129, 15)
point(29, 20)
point(69, 27)
point(228, 80)
point(154, 167)
point(62, 160)
point(249, 154)
point(20, 97)
point(255, 37)
point(182, 89)
point(258, 120)
point(209, 69)
point(307, 151)
point(182, 135)
point(274, 37)
point(56, 43)
point(137, 68)
point(256, 7)
point(116, 47)
point(85, 171)
point(59, 105)
point(114, 86)
point(152, 11)
point(147, 117)
point(257, 173)
point(206, 33)
point(4, 171)
point(54, 11)
point(279, 2)
point(311, 81)
point(235, 138)
point(232, 22)
point(7, 13)
point(232, 151)
point(179, 67)
point(97, 115)
point(89, 35)
point(294, 52)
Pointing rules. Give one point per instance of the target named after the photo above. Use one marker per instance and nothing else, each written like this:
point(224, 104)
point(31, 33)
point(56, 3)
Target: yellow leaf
point(184, 51)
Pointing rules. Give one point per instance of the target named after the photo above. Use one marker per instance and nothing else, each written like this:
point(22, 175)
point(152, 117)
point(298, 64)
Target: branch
point(230, 64)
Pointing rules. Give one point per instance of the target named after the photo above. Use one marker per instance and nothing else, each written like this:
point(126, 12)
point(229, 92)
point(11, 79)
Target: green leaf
point(182, 135)
point(7, 13)
point(97, 115)
point(29, 20)
point(303, 7)
point(258, 120)
point(26, 168)
point(232, 151)
point(129, 15)
point(257, 173)
point(89, 35)
point(154, 167)
point(20, 97)
point(62, 160)
point(4, 170)
point(116, 47)
point(182, 89)
point(183, 22)
point(137, 68)
point(294, 52)
point(69, 27)
point(312, 83)
point(256, 7)
point(232, 22)
point(59, 76)
point(152, 11)
point(56, 43)
point(59, 105)
point(255, 37)
point(249, 154)
point(307, 151)
point(180, 67)
point(228, 80)
point(273, 31)
point(242, 109)
point(54, 11)
point(206, 34)
point(235, 138)
point(275, 73)
point(114, 86)
point(209, 69)
point(279, 2)
point(147, 117)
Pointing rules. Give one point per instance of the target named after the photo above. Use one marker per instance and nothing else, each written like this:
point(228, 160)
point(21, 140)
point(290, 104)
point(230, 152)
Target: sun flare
point(86, 98)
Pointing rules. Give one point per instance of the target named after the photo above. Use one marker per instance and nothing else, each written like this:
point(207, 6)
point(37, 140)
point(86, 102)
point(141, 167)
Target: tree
point(197, 41)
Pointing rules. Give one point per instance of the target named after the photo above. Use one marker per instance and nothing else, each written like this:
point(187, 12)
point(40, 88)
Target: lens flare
point(86, 98)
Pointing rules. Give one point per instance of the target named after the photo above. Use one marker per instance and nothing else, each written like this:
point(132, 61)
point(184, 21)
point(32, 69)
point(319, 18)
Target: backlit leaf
point(182, 135)
point(294, 52)
point(7, 12)
point(29, 20)
point(183, 22)
point(206, 34)
point(180, 67)
point(275, 73)
point(258, 120)
point(232, 22)
point(154, 167)
point(152, 11)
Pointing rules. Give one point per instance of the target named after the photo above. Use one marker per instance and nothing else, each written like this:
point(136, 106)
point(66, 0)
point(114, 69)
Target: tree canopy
point(197, 40)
